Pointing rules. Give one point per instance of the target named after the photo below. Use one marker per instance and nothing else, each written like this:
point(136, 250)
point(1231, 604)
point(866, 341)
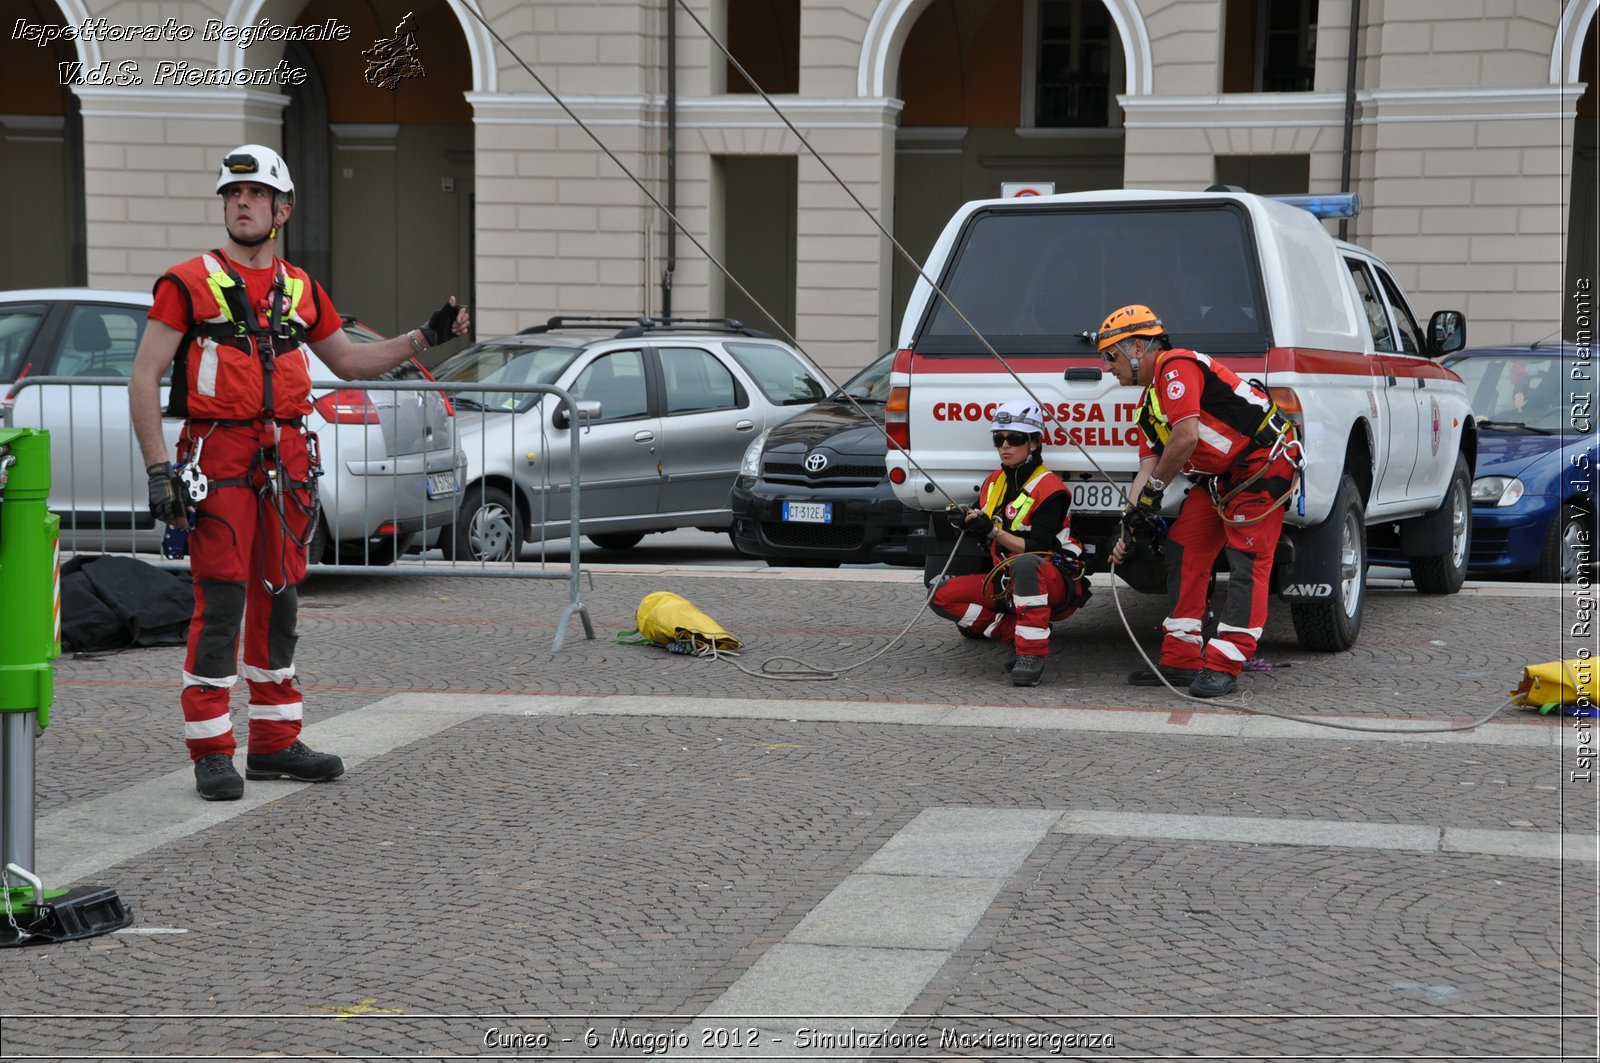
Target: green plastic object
point(30, 581)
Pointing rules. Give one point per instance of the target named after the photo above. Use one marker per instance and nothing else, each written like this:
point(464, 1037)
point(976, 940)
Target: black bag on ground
point(111, 603)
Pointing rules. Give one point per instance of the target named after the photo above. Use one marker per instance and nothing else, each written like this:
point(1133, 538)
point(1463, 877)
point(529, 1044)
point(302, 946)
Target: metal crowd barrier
point(126, 528)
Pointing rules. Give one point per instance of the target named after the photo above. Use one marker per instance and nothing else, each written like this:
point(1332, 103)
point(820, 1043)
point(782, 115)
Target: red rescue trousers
point(1196, 537)
point(247, 554)
point(1039, 594)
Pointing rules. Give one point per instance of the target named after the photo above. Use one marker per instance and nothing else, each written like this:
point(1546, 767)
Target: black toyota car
point(813, 490)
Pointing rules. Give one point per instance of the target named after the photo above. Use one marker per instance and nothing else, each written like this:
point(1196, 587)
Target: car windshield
point(504, 363)
point(871, 384)
point(781, 376)
point(1527, 391)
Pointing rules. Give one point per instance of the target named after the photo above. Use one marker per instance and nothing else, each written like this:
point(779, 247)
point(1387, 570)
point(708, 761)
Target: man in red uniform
point(1024, 516)
point(1197, 416)
point(237, 321)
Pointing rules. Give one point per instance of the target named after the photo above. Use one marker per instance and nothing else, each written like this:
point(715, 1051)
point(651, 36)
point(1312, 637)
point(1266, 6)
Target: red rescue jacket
point(221, 368)
point(1235, 415)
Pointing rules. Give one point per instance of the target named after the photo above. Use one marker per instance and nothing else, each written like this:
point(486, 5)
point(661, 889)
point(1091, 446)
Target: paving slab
point(602, 850)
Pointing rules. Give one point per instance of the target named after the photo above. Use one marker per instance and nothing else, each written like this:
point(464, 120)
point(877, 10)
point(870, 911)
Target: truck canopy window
point(1034, 280)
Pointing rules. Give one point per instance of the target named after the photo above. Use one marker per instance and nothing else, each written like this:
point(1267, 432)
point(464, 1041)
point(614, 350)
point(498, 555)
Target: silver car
point(667, 412)
point(391, 466)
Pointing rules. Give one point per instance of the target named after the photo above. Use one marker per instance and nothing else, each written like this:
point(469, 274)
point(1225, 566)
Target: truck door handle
point(744, 426)
point(644, 437)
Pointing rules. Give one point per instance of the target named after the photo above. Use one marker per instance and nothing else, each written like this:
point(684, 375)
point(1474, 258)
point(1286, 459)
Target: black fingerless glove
point(169, 498)
point(1149, 499)
point(440, 326)
point(979, 525)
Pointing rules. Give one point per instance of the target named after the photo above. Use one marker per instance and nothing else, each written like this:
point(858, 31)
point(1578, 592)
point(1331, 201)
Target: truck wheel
point(1444, 573)
point(1333, 624)
point(965, 563)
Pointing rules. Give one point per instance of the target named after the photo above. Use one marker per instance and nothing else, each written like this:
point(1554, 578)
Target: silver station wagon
point(666, 411)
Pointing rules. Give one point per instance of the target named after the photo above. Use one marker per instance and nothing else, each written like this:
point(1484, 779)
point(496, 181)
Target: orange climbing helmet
point(1135, 319)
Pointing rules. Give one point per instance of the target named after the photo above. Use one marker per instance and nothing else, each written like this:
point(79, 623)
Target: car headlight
point(1497, 490)
point(750, 467)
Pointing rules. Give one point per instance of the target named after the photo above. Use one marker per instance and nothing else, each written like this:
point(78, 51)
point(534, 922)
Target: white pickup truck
point(1389, 437)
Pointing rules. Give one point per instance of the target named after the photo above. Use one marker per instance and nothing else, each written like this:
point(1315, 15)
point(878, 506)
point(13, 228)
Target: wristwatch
point(1155, 484)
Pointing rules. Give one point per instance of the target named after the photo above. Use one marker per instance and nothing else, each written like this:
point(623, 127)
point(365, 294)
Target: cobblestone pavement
point(617, 842)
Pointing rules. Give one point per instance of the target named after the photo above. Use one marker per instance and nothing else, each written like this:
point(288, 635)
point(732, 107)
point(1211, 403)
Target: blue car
point(1533, 499)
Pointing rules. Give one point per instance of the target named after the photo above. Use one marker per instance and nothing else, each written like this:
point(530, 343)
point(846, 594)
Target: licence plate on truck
point(1097, 496)
point(441, 484)
point(808, 512)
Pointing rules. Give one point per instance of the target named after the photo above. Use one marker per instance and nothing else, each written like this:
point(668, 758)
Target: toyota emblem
point(816, 461)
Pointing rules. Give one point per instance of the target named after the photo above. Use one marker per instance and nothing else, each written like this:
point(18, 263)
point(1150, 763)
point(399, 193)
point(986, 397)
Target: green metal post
point(30, 588)
point(29, 555)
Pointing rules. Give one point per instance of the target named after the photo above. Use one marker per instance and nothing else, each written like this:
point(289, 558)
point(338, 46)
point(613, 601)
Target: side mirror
point(1447, 332)
point(588, 410)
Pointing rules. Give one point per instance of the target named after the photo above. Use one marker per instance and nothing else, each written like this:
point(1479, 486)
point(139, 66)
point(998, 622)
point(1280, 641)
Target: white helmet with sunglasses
point(254, 162)
point(1018, 415)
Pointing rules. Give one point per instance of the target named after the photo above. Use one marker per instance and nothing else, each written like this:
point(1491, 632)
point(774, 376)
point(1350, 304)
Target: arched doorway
point(998, 91)
point(42, 242)
point(387, 219)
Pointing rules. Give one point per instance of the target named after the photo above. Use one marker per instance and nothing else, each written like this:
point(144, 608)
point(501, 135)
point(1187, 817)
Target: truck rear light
point(897, 411)
point(1289, 403)
point(1286, 399)
point(897, 475)
point(347, 406)
point(897, 417)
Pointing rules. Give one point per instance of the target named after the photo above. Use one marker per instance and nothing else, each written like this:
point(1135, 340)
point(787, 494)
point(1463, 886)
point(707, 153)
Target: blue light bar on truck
point(1343, 205)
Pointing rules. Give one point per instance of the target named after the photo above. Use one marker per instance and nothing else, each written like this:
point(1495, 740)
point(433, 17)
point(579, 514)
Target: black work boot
point(1178, 677)
point(216, 779)
point(1212, 684)
point(297, 762)
point(1026, 670)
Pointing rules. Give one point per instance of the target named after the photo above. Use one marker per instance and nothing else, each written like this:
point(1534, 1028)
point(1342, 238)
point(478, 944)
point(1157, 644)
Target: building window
point(764, 36)
point(1073, 79)
point(1269, 45)
point(1266, 175)
point(1288, 55)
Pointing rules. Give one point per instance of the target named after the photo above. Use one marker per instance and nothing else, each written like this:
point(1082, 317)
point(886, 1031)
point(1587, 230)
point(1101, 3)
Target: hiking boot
point(1026, 671)
point(216, 779)
point(1212, 684)
point(1178, 677)
point(297, 762)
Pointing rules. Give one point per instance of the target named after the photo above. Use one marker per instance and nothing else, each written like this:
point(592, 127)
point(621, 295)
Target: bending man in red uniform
point(237, 321)
point(1197, 416)
point(1024, 515)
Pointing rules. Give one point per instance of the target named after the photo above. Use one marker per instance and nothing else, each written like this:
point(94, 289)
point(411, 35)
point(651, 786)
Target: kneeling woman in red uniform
point(1024, 516)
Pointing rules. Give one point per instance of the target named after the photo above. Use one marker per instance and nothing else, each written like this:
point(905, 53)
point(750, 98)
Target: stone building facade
point(1470, 129)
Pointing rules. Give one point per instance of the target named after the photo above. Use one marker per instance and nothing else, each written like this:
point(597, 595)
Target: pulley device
point(30, 585)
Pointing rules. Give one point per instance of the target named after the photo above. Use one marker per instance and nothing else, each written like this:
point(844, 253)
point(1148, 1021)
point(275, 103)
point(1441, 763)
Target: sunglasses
point(1009, 439)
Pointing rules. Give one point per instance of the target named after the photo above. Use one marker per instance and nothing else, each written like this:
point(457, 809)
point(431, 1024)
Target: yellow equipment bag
point(1571, 682)
point(671, 620)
